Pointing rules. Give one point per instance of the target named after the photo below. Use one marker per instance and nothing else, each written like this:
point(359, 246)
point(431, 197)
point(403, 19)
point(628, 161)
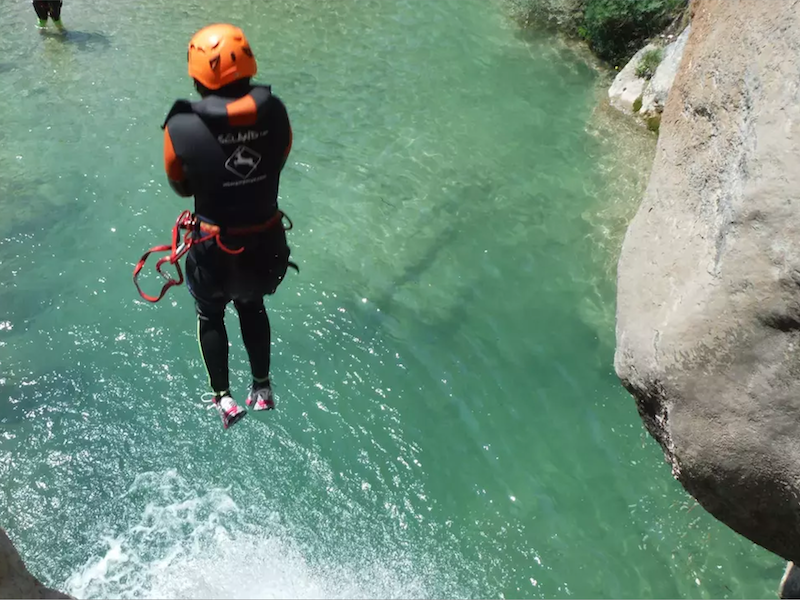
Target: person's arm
point(283, 129)
point(172, 165)
point(288, 145)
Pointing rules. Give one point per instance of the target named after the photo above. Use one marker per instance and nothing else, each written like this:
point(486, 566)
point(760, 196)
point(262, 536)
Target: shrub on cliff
point(616, 29)
point(649, 63)
point(564, 15)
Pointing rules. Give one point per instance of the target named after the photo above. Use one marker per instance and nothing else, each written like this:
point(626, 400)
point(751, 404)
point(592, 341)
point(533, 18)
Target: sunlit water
point(449, 423)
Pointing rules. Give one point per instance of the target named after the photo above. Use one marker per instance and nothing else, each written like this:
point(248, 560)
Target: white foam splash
point(202, 546)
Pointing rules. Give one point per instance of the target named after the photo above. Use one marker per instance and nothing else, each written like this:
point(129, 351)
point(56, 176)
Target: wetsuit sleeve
point(289, 145)
point(284, 130)
point(174, 168)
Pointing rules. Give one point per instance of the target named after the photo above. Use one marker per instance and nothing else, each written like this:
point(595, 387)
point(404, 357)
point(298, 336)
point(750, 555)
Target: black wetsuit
point(48, 8)
point(228, 151)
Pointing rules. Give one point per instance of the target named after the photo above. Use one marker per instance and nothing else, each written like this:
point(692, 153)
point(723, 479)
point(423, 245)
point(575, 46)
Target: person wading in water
point(48, 8)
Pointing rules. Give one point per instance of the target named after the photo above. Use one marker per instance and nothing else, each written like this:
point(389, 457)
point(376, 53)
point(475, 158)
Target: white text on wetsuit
point(241, 136)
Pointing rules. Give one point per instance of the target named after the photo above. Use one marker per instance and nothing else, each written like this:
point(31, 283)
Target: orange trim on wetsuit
point(172, 164)
point(243, 111)
point(174, 168)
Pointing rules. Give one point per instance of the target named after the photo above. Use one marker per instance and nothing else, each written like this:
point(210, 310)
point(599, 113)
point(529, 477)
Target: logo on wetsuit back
point(241, 137)
point(243, 162)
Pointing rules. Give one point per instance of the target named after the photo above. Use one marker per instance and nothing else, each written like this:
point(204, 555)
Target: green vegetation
point(564, 15)
point(649, 63)
point(654, 123)
point(614, 29)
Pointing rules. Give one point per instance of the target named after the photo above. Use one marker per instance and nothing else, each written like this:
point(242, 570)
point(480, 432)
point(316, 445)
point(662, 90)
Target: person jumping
point(227, 150)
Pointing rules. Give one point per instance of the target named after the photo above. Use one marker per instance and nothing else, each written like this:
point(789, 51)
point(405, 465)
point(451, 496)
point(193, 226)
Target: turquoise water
point(449, 423)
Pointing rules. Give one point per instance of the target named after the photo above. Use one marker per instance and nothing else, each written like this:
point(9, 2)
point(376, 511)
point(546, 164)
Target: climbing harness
point(197, 231)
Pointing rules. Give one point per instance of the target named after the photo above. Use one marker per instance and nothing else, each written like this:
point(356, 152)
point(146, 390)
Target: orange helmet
point(219, 55)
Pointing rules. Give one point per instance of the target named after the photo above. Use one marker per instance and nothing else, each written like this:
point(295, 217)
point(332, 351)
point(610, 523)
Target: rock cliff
point(708, 306)
point(646, 98)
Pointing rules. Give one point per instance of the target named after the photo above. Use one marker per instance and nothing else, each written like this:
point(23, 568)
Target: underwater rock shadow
point(448, 213)
point(446, 326)
point(83, 40)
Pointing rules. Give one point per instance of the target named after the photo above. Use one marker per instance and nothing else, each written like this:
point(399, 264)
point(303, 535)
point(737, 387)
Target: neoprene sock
point(261, 382)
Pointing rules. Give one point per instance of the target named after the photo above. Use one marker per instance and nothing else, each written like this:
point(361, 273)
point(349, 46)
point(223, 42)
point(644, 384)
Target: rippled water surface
point(449, 422)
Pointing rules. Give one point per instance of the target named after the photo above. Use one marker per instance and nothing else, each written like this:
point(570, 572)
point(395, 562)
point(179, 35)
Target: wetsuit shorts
point(48, 9)
point(215, 277)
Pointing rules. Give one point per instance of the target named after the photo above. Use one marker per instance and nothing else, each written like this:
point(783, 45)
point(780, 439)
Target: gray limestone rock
point(657, 89)
point(627, 87)
point(708, 304)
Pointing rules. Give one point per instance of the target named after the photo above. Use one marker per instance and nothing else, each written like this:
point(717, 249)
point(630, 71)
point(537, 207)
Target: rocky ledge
point(708, 304)
point(15, 580)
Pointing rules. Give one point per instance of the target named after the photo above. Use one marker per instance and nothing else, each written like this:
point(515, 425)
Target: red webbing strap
point(178, 247)
point(176, 251)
